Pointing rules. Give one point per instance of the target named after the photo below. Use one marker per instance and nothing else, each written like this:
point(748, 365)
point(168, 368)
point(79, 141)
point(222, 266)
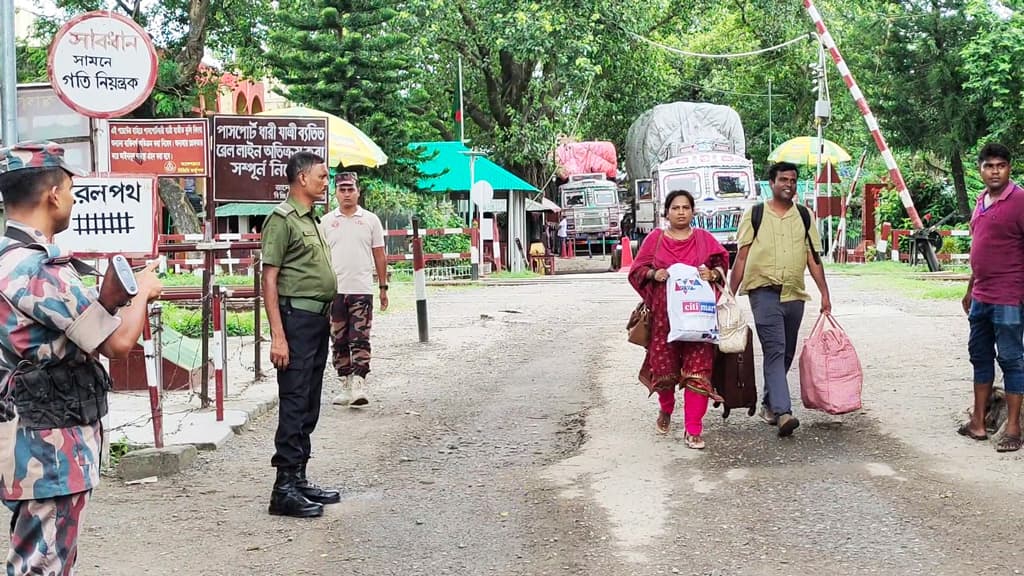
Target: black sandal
point(965, 430)
point(1009, 444)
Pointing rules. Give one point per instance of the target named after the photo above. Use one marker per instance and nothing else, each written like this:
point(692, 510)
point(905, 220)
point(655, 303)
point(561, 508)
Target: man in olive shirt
point(778, 241)
point(298, 287)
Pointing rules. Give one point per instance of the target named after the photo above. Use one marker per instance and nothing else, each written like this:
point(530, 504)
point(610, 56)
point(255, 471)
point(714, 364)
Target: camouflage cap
point(346, 179)
point(35, 155)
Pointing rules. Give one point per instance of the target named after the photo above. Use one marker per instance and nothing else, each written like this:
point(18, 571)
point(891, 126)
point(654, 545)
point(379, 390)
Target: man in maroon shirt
point(995, 294)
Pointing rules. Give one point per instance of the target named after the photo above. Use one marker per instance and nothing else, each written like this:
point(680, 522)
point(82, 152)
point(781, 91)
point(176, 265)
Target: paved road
point(517, 443)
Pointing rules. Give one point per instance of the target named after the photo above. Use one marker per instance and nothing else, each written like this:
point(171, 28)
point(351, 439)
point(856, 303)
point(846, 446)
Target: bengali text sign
point(112, 215)
point(250, 154)
point(171, 148)
point(102, 64)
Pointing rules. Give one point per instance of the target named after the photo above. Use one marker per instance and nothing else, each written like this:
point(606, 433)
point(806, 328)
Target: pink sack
point(830, 372)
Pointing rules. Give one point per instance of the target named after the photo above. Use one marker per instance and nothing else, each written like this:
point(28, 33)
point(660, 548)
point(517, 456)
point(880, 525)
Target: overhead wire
point(802, 37)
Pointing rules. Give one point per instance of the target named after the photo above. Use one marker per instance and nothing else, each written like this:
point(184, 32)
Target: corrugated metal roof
point(446, 159)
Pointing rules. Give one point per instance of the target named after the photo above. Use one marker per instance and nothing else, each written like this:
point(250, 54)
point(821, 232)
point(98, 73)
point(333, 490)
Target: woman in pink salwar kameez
point(678, 364)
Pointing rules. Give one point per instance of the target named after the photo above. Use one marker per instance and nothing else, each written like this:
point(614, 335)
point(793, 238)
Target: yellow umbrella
point(803, 150)
point(347, 145)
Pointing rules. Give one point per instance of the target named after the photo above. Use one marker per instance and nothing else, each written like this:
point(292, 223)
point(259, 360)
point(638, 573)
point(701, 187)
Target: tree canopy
point(941, 75)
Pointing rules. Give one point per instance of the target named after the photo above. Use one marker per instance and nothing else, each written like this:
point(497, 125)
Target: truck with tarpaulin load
point(588, 195)
point(697, 147)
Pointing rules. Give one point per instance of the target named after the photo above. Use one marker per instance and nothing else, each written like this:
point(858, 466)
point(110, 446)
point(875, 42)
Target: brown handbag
point(639, 326)
point(638, 329)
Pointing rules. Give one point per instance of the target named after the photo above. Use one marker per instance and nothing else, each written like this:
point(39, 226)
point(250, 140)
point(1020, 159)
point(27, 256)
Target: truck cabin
point(592, 207)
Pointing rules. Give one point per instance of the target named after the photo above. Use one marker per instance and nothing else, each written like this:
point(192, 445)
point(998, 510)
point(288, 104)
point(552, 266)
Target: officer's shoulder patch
point(284, 209)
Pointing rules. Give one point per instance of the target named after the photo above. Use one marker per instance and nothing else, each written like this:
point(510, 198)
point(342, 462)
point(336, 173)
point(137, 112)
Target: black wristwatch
point(383, 286)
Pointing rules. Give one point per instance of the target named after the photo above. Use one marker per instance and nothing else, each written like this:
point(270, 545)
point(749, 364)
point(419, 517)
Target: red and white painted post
point(218, 352)
point(153, 380)
point(475, 252)
point(419, 276)
point(869, 118)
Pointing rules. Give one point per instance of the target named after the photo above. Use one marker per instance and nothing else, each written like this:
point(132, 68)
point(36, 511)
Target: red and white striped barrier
point(193, 238)
point(869, 117)
point(217, 351)
point(153, 380)
point(420, 281)
point(407, 232)
point(434, 257)
point(189, 264)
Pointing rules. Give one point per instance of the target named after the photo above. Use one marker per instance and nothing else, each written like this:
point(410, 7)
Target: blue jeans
point(997, 334)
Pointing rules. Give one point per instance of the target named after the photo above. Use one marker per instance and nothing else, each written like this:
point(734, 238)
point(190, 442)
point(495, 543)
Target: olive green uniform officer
point(298, 286)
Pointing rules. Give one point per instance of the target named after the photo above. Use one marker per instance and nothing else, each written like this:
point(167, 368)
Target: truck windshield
point(731, 185)
point(604, 197)
point(688, 182)
point(573, 200)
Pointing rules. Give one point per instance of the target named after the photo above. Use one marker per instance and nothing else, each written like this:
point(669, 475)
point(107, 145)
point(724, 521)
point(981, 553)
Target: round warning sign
point(102, 65)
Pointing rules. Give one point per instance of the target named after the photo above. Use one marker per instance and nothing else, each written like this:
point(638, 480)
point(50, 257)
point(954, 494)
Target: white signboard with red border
point(113, 214)
point(102, 65)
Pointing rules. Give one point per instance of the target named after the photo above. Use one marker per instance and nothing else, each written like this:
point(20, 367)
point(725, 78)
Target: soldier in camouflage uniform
point(356, 239)
point(53, 388)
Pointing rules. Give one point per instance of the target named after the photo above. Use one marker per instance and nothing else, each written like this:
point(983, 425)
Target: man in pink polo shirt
point(995, 294)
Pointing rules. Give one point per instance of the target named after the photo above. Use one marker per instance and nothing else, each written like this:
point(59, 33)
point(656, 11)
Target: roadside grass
point(904, 279)
point(506, 275)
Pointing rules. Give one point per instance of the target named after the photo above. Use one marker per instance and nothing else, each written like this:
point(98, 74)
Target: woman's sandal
point(694, 442)
point(664, 422)
point(1009, 444)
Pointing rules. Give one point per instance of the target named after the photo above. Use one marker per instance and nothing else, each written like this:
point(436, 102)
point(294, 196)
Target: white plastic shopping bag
point(692, 310)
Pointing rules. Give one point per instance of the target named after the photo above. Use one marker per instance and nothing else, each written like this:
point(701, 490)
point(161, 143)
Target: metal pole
point(420, 280)
point(152, 378)
point(218, 352)
point(209, 261)
point(9, 81)
point(462, 111)
point(256, 305)
point(770, 147)
point(476, 264)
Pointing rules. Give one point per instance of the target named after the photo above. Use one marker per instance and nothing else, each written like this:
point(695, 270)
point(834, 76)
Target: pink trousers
point(694, 407)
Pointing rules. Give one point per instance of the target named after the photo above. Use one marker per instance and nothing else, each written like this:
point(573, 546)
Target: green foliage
point(992, 61)
point(189, 321)
point(353, 58)
point(934, 198)
point(442, 215)
point(31, 63)
point(118, 449)
point(172, 279)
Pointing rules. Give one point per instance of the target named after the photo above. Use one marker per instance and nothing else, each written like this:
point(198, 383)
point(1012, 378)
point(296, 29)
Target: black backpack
point(757, 215)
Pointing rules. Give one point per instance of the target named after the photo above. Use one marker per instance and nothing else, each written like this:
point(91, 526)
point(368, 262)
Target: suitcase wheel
point(751, 411)
point(725, 413)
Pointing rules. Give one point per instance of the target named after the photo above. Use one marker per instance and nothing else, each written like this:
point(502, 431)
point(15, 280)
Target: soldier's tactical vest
point(70, 392)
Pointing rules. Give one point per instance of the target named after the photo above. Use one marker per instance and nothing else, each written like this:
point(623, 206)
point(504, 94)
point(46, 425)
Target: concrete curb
point(157, 462)
point(198, 431)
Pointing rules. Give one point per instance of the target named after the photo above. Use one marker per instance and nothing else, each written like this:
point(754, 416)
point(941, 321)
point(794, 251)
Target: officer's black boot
point(287, 499)
point(314, 493)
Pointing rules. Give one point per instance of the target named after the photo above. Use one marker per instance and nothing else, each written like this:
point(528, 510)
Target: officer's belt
point(307, 305)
